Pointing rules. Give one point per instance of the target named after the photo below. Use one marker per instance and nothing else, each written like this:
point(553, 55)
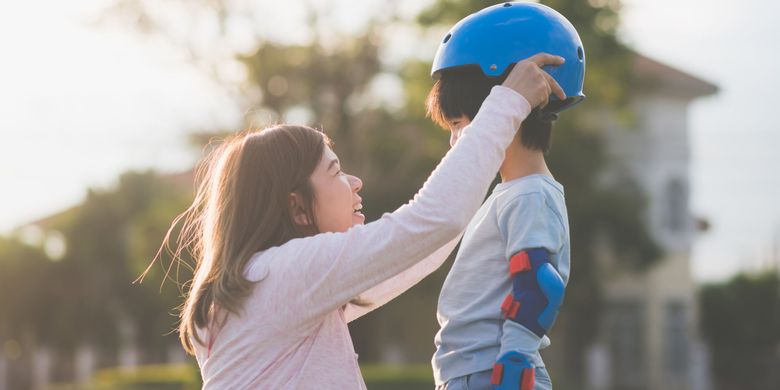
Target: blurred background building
point(649, 337)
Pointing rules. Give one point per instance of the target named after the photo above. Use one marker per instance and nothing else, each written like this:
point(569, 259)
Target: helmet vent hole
point(507, 4)
point(580, 54)
point(447, 38)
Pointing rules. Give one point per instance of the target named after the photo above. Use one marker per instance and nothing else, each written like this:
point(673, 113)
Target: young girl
point(284, 261)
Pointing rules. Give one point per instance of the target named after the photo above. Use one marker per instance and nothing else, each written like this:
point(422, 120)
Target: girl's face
point(336, 202)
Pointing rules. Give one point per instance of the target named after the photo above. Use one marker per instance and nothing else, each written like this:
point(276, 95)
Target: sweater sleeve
point(386, 291)
point(310, 277)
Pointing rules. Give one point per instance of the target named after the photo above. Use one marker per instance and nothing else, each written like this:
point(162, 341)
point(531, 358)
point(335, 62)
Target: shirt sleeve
point(310, 277)
point(527, 222)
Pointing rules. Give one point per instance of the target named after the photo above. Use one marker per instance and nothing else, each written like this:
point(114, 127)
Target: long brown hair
point(242, 206)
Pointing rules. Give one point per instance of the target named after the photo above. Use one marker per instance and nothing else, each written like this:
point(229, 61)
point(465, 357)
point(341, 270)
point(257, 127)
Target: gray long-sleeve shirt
point(529, 212)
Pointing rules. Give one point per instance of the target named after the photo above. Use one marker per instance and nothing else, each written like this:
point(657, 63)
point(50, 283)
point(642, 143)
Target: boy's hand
point(536, 85)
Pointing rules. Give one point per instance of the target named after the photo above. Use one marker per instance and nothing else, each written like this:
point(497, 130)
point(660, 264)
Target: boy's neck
point(521, 161)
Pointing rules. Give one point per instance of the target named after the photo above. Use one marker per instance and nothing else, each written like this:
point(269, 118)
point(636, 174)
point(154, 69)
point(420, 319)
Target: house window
point(627, 344)
point(676, 209)
point(676, 340)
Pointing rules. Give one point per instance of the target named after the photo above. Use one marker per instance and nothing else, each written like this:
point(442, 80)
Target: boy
point(506, 286)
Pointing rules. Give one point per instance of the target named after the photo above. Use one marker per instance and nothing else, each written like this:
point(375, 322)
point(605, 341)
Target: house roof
point(655, 75)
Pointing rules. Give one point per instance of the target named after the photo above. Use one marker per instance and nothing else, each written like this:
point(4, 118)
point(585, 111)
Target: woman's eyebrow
point(332, 163)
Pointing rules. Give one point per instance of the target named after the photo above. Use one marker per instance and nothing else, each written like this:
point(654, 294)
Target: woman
point(284, 261)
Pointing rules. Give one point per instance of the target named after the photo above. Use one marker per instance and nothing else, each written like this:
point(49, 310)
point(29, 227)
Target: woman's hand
point(530, 80)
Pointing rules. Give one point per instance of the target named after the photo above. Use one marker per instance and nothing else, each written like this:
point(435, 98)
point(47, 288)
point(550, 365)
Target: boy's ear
point(298, 210)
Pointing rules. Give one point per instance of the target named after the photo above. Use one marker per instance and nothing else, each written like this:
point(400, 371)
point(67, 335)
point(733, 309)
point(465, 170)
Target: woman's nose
point(357, 184)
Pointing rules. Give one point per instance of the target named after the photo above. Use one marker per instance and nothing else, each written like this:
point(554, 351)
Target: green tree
point(25, 308)
point(740, 320)
point(83, 297)
point(111, 239)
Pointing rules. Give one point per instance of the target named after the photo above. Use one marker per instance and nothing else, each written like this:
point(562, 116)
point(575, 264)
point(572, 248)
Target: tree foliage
point(82, 297)
point(740, 320)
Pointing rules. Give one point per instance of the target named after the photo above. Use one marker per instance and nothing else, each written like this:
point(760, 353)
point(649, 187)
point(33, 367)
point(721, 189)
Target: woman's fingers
point(554, 86)
point(542, 59)
point(528, 79)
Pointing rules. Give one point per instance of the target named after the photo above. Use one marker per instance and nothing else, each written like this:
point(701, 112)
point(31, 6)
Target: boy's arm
point(532, 233)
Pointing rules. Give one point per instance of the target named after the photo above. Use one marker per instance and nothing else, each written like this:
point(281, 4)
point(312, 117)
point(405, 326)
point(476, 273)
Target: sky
point(734, 137)
point(81, 102)
point(79, 105)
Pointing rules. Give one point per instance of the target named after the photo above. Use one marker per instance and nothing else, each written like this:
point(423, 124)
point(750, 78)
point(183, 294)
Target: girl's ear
point(298, 210)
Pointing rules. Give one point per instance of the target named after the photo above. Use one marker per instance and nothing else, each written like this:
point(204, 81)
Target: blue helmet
point(503, 34)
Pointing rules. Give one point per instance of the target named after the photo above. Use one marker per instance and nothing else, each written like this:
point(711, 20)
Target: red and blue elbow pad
point(537, 291)
point(535, 300)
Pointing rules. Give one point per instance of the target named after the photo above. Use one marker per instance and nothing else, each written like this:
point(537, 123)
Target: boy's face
point(456, 126)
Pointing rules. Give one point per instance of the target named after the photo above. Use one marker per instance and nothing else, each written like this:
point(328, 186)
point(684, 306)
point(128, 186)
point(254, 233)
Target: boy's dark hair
point(461, 91)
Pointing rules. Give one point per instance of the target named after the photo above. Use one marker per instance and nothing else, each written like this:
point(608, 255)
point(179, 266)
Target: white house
point(648, 339)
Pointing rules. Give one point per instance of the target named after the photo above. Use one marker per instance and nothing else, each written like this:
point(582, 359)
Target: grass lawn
point(187, 377)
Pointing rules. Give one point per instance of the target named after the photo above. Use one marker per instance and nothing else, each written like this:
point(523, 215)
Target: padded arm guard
point(537, 291)
point(536, 298)
point(513, 371)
